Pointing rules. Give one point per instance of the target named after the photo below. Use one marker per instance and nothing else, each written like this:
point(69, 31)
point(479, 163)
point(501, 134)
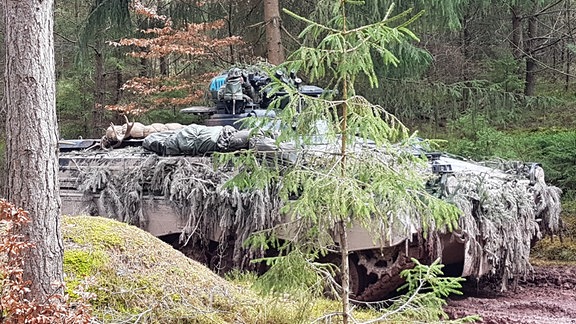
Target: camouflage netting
point(502, 212)
point(195, 190)
point(502, 215)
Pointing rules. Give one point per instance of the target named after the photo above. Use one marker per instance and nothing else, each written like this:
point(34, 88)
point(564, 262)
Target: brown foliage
point(194, 44)
point(153, 93)
point(15, 304)
point(193, 39)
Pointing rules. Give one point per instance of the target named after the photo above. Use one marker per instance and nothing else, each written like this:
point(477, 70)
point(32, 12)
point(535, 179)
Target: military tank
point(166, 184)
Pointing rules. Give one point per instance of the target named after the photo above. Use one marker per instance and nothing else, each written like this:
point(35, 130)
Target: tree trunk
point(345, 271)
point(119, 83)
point(3, 173)
point(466, 37)
point(98, 108)
point(566, 51)
point(530, 80)
point(567, 71)
point(32, 138)
point(274, 49)
point(230, 33)
point(516, 41)
point(144, 68)
point(164, 66)
point(345, 268)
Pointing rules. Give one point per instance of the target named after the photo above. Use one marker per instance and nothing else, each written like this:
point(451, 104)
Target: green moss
point(101, 234)
point(176, 297)
point(79, 264)
point(137, 273)
point(83, 263)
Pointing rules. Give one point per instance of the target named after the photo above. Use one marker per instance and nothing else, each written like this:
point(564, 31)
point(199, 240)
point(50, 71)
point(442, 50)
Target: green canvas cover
point(194, 140)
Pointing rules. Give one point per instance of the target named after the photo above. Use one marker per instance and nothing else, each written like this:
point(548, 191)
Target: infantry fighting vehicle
point(166, 184)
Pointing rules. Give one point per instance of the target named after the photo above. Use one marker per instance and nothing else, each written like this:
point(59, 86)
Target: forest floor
point(548, 297)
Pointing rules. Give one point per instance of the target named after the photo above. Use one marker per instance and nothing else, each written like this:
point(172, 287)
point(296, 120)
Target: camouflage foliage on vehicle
point(501, 214)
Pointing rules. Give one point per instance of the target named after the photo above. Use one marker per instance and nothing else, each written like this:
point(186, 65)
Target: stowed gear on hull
point(240, 93)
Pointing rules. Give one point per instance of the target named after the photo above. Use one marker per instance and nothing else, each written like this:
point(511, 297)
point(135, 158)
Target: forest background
point(492, 78)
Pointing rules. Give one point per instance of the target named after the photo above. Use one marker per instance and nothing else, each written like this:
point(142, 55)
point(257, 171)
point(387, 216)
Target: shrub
point(15, 307)
point(554, 149)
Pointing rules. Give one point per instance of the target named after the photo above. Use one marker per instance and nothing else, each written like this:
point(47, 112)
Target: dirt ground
point(548, 297)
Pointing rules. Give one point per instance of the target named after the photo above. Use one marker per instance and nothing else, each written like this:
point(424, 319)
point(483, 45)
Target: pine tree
point(105, 19)
point(367, 175)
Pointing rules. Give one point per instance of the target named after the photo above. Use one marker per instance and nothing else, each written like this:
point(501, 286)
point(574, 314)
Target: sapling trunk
point(345, 271)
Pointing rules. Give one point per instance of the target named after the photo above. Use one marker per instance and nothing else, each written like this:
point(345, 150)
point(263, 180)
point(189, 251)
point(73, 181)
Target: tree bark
point(119, 83)
point(530, 80)
point(274, 48)
point(531, 65)
point(32, 138)
point(144, 68)
point(3, 173)
point(164, 66)
point(345, 272)
point(230, 33)
point(99, 91)
point(566, 51)
point(516, 33)
point(466, 36)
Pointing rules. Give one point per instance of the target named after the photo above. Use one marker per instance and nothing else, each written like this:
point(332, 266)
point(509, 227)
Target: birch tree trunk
point(274, 49)
point(32, 138)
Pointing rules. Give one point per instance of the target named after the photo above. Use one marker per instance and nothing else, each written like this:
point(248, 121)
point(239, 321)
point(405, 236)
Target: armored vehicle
point(167, 185)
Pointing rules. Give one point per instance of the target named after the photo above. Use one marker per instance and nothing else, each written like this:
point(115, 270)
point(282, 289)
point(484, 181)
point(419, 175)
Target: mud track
point(548, 297)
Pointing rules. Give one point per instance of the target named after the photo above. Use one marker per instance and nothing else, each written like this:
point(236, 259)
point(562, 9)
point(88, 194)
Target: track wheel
point(358, 277)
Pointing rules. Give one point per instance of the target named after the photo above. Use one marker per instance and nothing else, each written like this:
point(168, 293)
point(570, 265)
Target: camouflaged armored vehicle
point(161, 178)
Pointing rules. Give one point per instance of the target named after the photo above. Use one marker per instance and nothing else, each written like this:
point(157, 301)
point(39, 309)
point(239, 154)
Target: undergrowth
point(555, 149)
point(135, 277)
point(17, 305)
point(426, 289)
point(562, 248)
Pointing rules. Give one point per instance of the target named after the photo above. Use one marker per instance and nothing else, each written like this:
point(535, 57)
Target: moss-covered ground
point(137, 278)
